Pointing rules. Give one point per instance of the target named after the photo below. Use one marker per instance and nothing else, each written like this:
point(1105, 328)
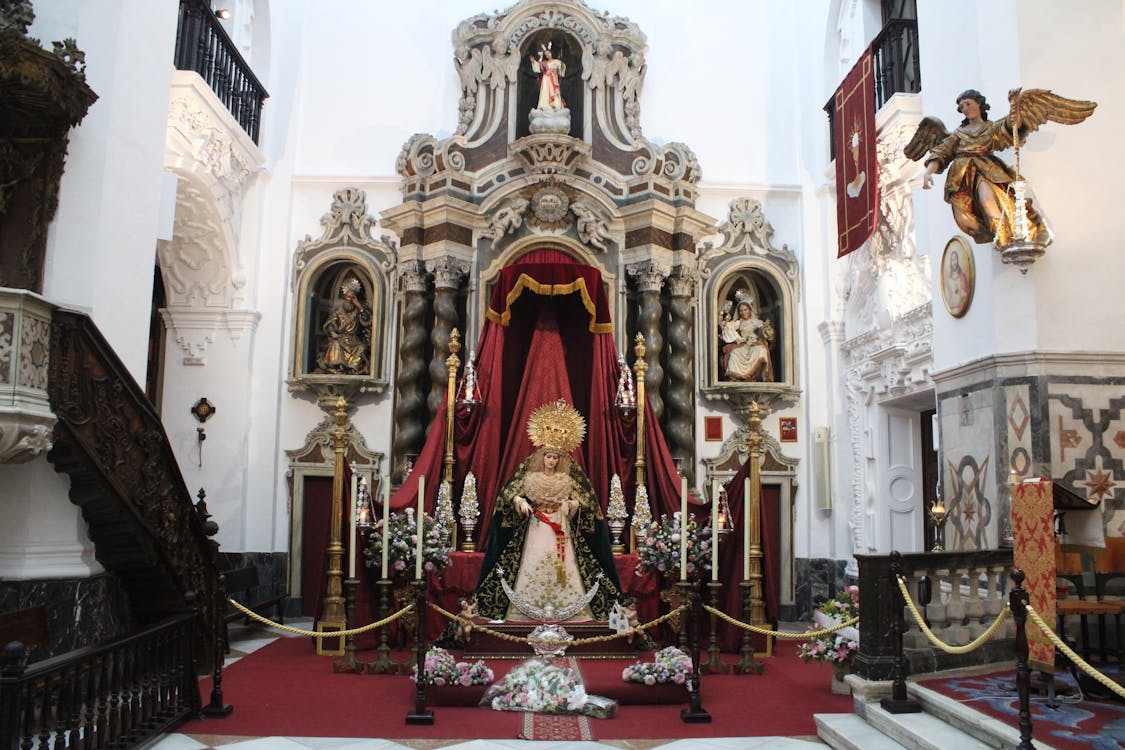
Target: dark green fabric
point(508, 532)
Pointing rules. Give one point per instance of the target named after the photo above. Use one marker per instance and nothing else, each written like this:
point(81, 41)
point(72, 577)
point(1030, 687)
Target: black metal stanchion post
point(714, 663)
point(694, 713)
point(747, 664)
point(383, 663)
point(898, 703)
point(216, 709)
point(1017, 601)
point(349, 664)
point(420, 715)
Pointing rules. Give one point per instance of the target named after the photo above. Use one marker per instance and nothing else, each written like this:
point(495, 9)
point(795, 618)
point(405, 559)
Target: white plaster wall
point(109, 201)
point(1075, 50)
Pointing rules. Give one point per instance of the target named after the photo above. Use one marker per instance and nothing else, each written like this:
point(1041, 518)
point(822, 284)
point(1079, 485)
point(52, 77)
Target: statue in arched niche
point(345, 346)
point(548, 69)
point(746, 337)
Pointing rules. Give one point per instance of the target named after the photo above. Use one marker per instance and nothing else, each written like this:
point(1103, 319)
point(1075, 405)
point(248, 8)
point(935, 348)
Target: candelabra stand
point(747, 664)
point(383, 663)
point(715, 663)
point(420, 715)
point(349, 664)
point(939, 515)
point(694, 713)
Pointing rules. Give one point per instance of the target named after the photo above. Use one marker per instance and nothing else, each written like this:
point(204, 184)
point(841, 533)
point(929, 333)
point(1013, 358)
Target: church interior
point(633, 333)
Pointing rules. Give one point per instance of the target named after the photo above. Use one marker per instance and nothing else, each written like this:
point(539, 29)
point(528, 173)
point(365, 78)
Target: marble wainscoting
point(817, 579)
point(273, 574)
point(80, 611)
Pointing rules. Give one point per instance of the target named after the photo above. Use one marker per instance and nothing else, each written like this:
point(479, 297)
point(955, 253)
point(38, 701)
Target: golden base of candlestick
point(938, 520)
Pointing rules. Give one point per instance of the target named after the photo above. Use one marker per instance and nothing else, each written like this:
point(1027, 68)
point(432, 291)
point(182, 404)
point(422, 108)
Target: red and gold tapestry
point(857, 168)
point(1033, 513)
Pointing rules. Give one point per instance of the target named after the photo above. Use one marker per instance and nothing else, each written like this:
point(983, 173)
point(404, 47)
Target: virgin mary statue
point(548, 544)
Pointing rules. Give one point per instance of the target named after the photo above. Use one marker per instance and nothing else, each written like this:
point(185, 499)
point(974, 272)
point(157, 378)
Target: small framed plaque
point(788, 429)
point(713, 429)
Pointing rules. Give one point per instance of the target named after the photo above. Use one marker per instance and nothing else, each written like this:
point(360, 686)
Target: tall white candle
point(715, 539)
point(386, 527)
point(351, 529)
point(683, 528)
point(421, 526)
point(746, 529)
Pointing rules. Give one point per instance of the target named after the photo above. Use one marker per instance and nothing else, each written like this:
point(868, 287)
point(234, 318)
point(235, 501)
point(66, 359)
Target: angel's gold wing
point(931, 131)
point(1036, 106)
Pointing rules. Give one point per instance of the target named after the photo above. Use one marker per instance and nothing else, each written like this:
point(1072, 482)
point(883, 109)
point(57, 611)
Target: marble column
point(680, 383)
point(410, 401)
point(448, 273)
point(648, 278)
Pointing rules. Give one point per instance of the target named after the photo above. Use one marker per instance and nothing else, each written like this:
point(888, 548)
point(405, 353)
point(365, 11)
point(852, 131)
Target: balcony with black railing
point(203, 46)
point(897, 68)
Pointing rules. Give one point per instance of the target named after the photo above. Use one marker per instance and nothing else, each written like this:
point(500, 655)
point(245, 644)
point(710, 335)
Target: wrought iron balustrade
point(203, 46)
point(120, 694)
point(897, 69)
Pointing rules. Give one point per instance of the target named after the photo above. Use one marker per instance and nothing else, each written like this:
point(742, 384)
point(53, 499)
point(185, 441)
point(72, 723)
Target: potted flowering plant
point(670, 665)
point(402, 540)
point(659, 549)
point(838, 648)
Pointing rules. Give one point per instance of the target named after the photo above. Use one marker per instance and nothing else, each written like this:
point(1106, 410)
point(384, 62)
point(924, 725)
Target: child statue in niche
point(549, 71)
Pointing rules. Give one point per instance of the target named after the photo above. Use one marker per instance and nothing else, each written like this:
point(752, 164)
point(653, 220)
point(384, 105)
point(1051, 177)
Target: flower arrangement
point(839, 647)
point(440, 669)
point(658, 549)
point(537, 685)
point(402, 539)
point(669, 665)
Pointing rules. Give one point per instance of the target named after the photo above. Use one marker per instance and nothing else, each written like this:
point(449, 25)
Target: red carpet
point(548, 727)
point(285, 689)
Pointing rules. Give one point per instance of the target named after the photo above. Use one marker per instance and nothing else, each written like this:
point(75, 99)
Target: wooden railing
point(141, 517)
point(960, 594)
point(116, 695)
point(203, 46)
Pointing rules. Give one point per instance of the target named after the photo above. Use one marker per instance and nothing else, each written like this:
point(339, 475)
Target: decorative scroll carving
point(26, 421)
point(319, 447)
point(746, 232)
point(125, 478)
point(348, 253)
point(548, 154)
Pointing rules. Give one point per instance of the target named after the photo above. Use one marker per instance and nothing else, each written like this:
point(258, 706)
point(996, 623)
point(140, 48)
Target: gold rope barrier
point(1060, 644)
point(576, 642)
point(980, 640)
point(777, 633)
point(318, 634)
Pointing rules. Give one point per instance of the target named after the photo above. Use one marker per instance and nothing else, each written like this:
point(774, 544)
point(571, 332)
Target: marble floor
point(246, 640)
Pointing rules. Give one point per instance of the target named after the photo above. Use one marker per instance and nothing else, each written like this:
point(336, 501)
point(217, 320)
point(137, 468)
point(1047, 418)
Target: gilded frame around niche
point(958, 276)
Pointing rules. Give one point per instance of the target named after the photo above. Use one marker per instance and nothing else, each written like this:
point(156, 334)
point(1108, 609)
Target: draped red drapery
point(547, 335)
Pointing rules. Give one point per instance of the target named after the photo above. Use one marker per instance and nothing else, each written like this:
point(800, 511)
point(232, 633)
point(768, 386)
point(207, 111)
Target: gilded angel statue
point(977, 184)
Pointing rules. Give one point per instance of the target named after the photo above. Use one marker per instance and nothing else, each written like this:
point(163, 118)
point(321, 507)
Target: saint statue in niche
point(347, 333)
point(745, 340)
point(550, 114)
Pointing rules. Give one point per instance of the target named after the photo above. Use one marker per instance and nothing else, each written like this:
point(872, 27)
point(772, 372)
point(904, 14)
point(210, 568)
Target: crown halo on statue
point(556, 426)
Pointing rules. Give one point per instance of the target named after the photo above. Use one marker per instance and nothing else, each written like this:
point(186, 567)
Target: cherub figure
point(508, 219)
point(591, 229)
point(977, 183)
point(467, 608)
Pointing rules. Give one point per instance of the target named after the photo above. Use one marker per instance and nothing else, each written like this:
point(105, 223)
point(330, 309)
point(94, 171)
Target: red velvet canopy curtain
point(548, 335)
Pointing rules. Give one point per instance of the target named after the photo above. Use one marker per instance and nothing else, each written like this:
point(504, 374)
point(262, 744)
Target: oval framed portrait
point(958, 276)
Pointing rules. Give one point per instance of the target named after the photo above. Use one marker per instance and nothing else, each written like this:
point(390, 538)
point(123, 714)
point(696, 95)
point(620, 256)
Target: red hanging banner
point(857, 168)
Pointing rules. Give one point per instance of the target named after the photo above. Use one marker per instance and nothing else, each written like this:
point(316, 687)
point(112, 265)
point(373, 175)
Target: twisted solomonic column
point(410, 399)
point(648, 277)
point(448, 273)
point(680, 381)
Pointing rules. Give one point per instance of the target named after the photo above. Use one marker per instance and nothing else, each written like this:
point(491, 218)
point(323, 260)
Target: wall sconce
point(202, 411)
point(939, 514)
point(223, 14)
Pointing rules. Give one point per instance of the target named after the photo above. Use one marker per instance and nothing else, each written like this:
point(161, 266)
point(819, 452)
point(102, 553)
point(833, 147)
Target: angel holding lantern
point(977, 184)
